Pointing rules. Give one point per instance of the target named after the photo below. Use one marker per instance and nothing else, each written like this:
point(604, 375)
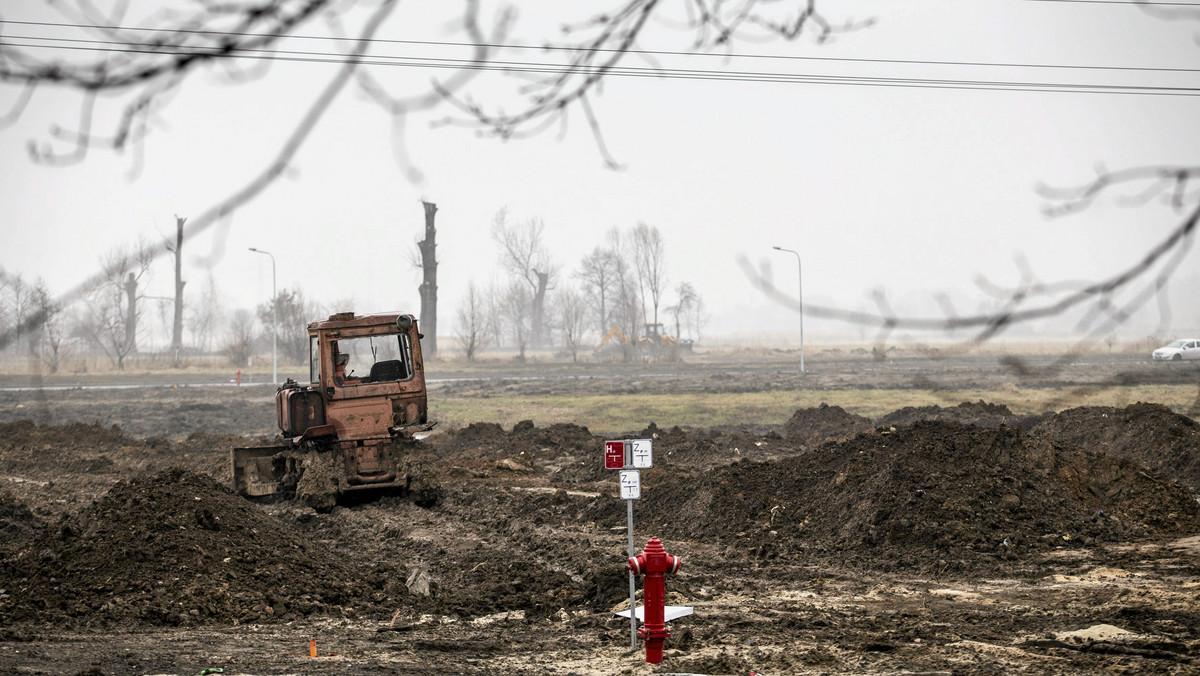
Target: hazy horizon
point(918, 192)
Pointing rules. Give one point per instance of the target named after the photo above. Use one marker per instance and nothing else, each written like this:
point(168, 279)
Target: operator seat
point(384, 371)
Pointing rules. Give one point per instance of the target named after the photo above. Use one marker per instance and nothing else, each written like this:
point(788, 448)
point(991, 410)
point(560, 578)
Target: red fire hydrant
point(655, 564)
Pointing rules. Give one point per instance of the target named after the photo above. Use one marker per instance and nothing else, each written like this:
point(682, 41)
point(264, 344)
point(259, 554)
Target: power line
point(1131, 3)
point(657, 73)
point(646, 52)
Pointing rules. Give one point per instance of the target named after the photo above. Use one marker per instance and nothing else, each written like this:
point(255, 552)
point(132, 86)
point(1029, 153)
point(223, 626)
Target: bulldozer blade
point(254, 471)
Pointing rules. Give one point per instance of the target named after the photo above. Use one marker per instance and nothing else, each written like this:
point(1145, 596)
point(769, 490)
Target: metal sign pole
point(632, 591)
point(629, 457)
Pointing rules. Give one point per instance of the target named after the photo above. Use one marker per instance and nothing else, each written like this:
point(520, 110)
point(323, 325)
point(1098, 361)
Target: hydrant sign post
point(629, 457)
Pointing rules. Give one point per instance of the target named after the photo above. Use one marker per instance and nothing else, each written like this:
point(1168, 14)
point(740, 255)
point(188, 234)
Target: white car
point(1188, 348)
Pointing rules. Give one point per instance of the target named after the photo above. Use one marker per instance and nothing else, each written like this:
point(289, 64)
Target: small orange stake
point(312, 647)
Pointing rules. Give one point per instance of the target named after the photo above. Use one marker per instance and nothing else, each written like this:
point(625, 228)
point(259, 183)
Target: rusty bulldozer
point(349, 433)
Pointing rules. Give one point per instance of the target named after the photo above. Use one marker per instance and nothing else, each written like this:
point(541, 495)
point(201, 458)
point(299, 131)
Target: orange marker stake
point(312, 647)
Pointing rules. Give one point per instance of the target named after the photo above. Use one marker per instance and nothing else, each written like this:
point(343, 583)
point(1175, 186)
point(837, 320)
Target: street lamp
point(800, 283)
point(275, 321)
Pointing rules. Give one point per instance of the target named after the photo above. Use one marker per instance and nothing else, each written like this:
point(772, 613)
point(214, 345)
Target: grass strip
point(613, 413)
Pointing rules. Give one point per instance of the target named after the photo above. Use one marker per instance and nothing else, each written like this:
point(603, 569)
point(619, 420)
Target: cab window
point(314, 359)
point(372, 359)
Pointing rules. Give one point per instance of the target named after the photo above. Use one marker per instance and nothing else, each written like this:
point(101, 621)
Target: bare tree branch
point(1157, 179)
point(286, 153)
point(18, 108)
point(608, 38)
point(988, 325)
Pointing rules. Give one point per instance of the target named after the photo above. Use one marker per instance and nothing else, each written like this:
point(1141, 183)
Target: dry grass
point(628, 412)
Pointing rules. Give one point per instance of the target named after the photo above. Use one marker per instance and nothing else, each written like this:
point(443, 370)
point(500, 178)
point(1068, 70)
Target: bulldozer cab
point(372, 362)
point(361, 360)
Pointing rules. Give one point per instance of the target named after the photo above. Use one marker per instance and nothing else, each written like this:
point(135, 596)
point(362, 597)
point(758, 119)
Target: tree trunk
point(131, 284)
point(428, 290)
point(177, 326)
point(538, 311)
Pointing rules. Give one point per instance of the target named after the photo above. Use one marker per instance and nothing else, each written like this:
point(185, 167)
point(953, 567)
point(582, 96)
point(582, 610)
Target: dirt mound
point(16, 521)
point(814, 425)
point(26, 432)
point(679, 447)
point(479, 433)
point(564, 451)
point(980, 413)
point(1116, 488)
point(488, 437)
point(1166, 443)
point(933, 496)
point(557, 437)
point(176, 548)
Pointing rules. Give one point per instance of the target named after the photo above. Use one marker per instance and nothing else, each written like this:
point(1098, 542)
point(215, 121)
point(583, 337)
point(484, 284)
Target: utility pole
point(800, 283)
point(177, 325)
point(274, 320)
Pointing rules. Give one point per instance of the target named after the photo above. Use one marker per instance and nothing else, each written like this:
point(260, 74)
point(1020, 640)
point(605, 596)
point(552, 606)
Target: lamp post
point(275, 321)
point(800, 284)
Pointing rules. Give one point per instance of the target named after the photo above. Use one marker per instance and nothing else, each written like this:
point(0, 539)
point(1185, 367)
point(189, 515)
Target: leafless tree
point(572, 312)
point(523, 254)
point(16, 307)
point(597, 273)
point(683, 309)
point(494, 306)
point(239, 342)
point(627, 307)
point(294, 313)
point(47, 343)
point(697, 318)
point(516, 305)
point(204, 316)
point(650, 262)
point(109, 321)
point(472, 328)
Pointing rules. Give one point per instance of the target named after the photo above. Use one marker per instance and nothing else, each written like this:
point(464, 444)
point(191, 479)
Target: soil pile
point(26, 433)
point(490, 437)
point(16, 521)
point(91, 448)
point(937, 496)
point(698, 450)
point(814, 425)
point(980, 413)
point(520, 567)
point(477, 435)
point(566, 452)
point(1166, 443)
point(176, 548)
point(557, 437)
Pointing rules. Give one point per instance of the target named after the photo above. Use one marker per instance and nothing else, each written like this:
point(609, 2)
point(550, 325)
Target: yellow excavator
point(615, 342)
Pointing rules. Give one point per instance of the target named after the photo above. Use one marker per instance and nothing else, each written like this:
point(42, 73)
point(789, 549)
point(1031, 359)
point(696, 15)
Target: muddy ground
point(951, 539)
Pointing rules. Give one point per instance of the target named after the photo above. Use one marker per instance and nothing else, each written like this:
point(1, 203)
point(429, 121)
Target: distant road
point(861, 365)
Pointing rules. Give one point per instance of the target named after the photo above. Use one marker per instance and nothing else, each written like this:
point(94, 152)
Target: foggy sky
point(910, 190)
